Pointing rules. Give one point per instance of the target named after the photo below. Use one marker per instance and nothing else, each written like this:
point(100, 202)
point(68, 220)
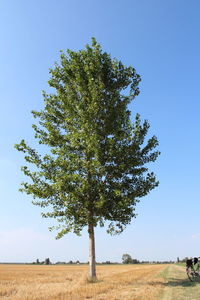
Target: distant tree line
point(126, 259)
point(45, 262)
point(183, 260)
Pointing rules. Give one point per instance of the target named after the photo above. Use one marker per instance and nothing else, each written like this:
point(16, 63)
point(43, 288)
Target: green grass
point(177, 285)
point(181, 264)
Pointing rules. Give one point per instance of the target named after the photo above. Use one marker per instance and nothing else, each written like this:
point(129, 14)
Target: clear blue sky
point(161, 40)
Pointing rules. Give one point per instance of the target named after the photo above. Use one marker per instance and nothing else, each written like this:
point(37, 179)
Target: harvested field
point(115, 282)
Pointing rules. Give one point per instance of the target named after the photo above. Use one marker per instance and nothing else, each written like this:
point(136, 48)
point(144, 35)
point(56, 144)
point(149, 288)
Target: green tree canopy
point(127, 259)
point(95, 169)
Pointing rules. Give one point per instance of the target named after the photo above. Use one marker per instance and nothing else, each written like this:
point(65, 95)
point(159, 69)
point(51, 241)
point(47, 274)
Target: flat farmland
point(115, 282)
point(29, 282)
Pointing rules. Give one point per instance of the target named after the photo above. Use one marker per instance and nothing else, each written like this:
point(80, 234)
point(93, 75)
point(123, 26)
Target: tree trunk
point(92, 260)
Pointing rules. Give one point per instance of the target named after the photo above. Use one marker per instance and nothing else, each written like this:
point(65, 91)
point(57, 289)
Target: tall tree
point(94, 170)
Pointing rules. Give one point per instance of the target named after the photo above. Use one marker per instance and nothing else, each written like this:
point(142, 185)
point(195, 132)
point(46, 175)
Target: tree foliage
point(47, 261)
point(127, 259)
point(96, 167)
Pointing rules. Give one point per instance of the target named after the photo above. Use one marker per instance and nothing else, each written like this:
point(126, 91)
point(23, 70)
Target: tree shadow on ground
point(174, 282)
point(181, 282)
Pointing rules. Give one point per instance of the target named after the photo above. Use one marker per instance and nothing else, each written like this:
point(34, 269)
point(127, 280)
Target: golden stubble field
point(115, 282)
